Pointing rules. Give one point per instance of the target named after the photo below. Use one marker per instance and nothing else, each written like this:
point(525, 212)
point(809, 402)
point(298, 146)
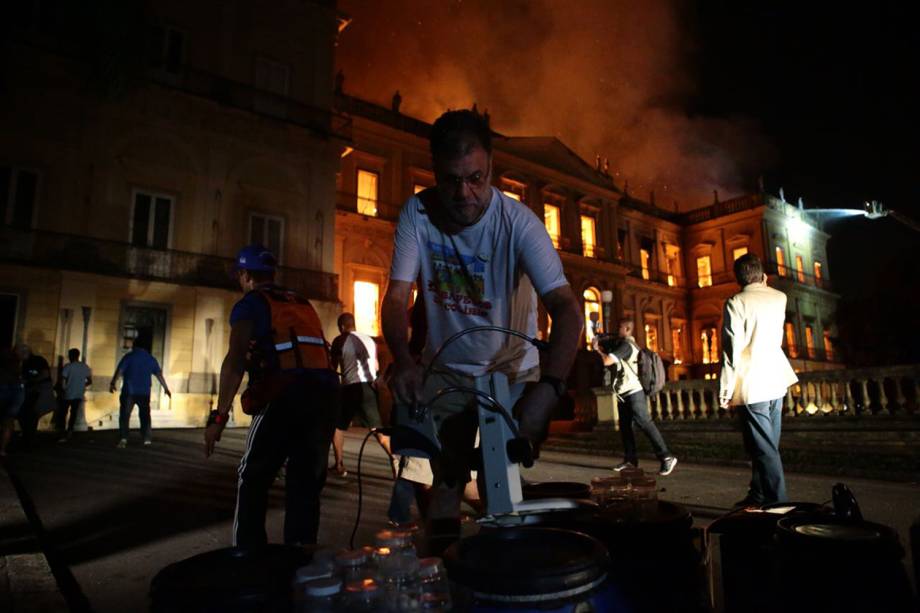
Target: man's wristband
point(556, 383)
point(216, 417)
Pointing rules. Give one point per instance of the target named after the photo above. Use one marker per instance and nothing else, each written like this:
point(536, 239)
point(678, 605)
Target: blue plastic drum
point(532, 569)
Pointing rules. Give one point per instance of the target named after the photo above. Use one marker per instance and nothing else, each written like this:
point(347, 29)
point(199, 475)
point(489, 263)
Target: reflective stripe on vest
point(302, 340)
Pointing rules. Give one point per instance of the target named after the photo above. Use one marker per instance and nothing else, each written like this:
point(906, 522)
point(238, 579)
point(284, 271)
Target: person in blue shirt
point(136, 368)
point(295, 426)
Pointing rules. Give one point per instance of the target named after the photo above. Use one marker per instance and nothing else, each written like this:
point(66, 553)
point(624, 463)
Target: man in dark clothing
point(632, 405)
point(36, 379)
point(137, 366)
point(295, 422)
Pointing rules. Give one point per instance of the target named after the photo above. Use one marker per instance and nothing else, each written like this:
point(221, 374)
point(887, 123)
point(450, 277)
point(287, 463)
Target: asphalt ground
point(115, 517)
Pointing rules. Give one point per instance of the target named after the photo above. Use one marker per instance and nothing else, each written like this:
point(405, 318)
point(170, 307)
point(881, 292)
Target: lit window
point(676, 331)
point(367, 302)
point(513, 189)
point(367, 192)
point(645, 259)
point(552, 220)
point(672, 261)
point(710, 346)
point(621, 243)
point(737, 252)
point(828, 347)
point(267, 231)
point(592, 305)
point(780, 262)
point(416, 188)
point(810, 341)
point(818, 274)
point(651, 336)
point(790, 340)
point(800, 269)
point(704, 271)
point(588, 236)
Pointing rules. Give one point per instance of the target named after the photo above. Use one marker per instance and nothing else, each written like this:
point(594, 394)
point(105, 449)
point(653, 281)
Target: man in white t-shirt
point(77, 376)
point(479, 256)
point(354, 355)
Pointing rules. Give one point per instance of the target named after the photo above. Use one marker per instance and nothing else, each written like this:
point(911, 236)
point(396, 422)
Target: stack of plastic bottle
point(389, 577)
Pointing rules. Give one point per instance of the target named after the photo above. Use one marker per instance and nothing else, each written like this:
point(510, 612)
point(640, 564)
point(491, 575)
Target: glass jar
point(321, 595)
point(400, 579)
point(303, 576)
point(352, 565)
point(362, 596)
point(433, 585)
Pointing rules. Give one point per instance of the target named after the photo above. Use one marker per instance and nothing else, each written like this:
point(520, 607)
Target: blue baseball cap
point(257, 258)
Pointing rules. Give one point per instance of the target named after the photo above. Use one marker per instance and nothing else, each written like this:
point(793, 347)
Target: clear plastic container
point(362, 596)
point(433, 585)
point(321, 595)
point(435, 602)
point(400, 579)
point(353, 565)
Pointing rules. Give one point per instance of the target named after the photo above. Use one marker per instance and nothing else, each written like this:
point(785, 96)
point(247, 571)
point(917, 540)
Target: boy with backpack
point(640, 373)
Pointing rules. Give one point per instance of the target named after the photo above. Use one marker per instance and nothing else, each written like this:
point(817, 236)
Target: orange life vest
point(297, 333)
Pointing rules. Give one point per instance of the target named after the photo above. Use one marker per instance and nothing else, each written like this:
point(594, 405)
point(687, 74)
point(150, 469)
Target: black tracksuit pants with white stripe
point(296, 427)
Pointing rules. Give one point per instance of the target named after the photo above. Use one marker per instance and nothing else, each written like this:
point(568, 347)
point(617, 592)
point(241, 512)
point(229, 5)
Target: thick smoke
point(608, 77)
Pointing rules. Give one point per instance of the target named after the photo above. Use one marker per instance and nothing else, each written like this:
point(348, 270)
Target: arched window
point(592, 298)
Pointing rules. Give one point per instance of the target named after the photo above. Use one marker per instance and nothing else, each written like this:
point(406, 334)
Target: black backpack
point(652, 374)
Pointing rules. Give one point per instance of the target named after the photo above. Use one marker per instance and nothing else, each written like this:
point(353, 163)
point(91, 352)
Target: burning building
point(670, 272)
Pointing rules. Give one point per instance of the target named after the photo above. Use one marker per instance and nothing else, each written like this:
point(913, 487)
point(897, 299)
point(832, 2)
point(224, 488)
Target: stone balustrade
point(863, 392)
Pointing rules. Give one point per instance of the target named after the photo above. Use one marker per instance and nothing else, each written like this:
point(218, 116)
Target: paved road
point(118, 516)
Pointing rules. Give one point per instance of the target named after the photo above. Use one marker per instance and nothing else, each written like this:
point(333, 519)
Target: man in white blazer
point(756, 374)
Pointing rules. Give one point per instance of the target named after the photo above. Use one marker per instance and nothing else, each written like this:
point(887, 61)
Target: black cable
point(495, 408)
point(351, 541)
point(533, 341)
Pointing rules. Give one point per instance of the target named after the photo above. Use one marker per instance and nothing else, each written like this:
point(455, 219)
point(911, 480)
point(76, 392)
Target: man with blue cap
point(292, 394)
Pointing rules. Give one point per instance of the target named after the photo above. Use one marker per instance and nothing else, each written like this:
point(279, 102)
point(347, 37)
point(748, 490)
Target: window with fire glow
point(367, 307)
point(704, 271)
point(592, 298)
point(645, 259)
point(588, 236)
point(651, 336)
point(780, 262)
point(553, 221)
point(367, 192)
point(710, 345)
point(791, 347)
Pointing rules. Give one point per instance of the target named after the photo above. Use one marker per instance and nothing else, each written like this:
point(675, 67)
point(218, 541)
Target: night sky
point(685, 97)
point(836, 92)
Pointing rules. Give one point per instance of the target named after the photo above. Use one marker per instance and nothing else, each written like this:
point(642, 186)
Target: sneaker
point(747, 503)
point(667, 465)
point(147, 442)
point(122, 443)
point(623, 466)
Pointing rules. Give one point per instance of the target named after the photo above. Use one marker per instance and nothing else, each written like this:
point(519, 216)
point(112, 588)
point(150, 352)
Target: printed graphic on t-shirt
point(454, 288)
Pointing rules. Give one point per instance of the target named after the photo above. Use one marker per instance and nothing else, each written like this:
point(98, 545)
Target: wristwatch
point(557, 384)
point(216, 417)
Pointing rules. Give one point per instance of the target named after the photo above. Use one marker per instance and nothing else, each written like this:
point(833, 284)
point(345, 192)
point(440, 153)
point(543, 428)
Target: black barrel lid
point(231, 575)
point(837, 534)
point(526, 561)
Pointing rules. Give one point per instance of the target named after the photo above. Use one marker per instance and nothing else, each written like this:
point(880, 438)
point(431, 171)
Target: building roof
point(551, 152)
